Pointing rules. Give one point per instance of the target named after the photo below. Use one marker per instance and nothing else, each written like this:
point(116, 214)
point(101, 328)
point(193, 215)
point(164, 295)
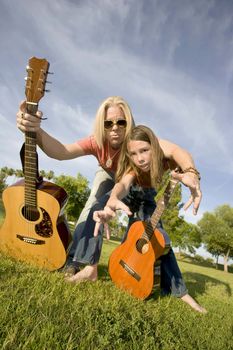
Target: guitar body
point(41, 239)
point(35, 229)
point(131, 265)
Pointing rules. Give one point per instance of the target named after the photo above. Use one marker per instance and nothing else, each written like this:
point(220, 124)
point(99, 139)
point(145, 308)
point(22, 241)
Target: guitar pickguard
point(45, 227)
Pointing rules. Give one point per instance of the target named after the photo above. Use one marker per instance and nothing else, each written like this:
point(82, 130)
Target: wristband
point(192, 170)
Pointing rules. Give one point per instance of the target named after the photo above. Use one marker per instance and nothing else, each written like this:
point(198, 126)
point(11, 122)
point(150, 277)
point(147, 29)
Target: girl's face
point(140, 154)
point(115, 131)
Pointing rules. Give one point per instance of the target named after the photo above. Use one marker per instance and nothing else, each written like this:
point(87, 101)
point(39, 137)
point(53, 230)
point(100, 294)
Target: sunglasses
point(121, 123)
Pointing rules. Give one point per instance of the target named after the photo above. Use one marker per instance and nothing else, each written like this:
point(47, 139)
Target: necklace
point(109, 161)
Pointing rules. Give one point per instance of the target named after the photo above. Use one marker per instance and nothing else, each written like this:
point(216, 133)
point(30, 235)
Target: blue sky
point(172, 60)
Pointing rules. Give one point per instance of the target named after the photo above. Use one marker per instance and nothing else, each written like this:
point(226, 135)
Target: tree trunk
point(226, 260)
point(217, 262)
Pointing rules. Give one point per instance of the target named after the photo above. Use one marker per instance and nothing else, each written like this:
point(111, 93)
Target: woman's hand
point(190, 180)
point(28, 122)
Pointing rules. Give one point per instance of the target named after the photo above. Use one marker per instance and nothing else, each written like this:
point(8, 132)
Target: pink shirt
point(90, 146)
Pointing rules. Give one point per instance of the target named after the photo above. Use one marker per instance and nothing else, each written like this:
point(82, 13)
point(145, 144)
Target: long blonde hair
point(112, 101)
point(125, 164)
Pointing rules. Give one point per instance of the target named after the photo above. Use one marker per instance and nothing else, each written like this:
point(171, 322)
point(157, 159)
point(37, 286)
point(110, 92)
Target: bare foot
point(89, 273)
point(190, 301)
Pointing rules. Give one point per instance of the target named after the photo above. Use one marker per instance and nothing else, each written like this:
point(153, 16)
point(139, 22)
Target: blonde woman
point(113, 122)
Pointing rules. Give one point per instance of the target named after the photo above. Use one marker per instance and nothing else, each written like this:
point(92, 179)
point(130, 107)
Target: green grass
point(39, 310)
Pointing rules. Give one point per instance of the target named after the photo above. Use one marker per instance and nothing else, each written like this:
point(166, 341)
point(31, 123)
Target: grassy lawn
point(39, 310)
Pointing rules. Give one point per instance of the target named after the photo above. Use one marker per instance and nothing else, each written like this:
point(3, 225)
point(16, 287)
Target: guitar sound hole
point(31, 214)
point(142, 246)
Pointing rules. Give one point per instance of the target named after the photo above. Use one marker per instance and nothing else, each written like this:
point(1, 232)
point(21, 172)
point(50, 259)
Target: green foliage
point(170, 216)
point(78, 192)
point(3, 177)
point(117, 226)
point(47, 175)
point(217, 232)
point(40, 311)
point(209, 261)
point(186, 236)
point(199, 258)
point(4, 173)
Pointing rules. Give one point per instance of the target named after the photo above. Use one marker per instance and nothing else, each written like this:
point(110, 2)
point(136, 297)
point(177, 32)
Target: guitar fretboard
point(161, 206)
point(30, 164)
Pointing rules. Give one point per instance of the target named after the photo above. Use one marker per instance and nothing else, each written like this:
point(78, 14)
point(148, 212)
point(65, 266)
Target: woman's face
point(115, 131)
point(140, 154)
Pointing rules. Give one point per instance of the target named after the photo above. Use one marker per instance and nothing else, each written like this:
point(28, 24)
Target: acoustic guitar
point(131, 265)
point(35, 228)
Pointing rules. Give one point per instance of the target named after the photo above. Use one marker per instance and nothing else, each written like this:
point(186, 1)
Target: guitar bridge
point(30, 240)
point(130, 270)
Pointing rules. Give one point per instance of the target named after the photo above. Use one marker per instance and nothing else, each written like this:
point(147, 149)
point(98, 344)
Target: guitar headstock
point(37, 70)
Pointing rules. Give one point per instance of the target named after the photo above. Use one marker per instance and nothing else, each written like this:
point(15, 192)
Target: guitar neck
point(30, 162)
point(161, 206)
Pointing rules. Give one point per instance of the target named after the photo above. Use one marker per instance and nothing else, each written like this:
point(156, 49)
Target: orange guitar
point(131, 265)
point(35, 228)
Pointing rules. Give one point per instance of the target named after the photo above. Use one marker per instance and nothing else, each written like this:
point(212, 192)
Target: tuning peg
point(47, 90)
point(50, 72)
point(28, 68)
point(48, 82)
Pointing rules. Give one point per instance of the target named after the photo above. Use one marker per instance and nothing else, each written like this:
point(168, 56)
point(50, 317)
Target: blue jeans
point(102, 184)
point(171, 278)
point(142, 204)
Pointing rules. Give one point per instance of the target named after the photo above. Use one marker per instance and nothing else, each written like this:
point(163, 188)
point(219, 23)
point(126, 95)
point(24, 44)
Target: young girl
point(141, 164)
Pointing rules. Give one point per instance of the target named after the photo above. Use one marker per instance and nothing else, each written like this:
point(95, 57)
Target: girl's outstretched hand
point(103, 216)
point(192, 182)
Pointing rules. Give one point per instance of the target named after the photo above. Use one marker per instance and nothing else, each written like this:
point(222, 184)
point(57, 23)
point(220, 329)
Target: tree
point(118, 225)
point(3, 185)
point(18, 173)
point(47, 175)
point(4, 173)
point(186, 236)
point(78, 192)
point(170, 217)
point(217, 232)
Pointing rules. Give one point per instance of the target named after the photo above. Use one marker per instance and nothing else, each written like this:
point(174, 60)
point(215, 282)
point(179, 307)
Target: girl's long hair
point(125, 164)
point(111, 101)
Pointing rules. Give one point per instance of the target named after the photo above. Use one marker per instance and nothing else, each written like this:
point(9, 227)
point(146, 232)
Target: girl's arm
point(119, 191)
